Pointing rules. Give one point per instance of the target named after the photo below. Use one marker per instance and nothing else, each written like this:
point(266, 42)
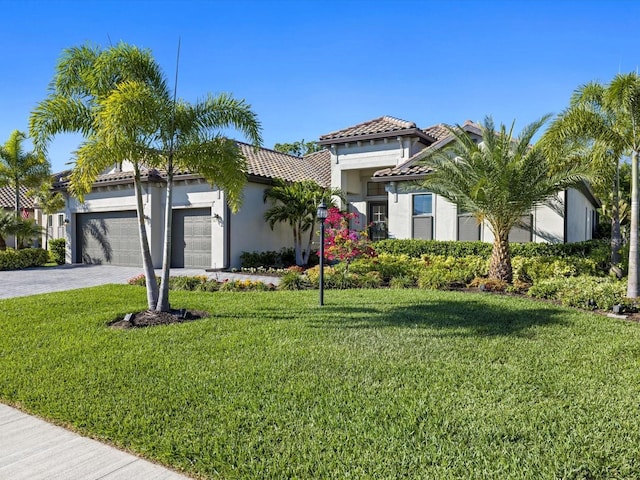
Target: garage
point(108, 238)
point(191, 238)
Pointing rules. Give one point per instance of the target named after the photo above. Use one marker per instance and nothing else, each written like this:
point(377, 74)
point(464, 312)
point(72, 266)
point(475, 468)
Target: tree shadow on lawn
point(456, 317)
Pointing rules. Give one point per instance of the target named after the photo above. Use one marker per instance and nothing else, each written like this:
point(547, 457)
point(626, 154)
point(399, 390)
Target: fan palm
point(296, 204)
point(498, 181)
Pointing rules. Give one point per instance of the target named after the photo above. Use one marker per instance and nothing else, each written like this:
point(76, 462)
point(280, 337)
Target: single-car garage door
point(191, 238)
point(108, 237)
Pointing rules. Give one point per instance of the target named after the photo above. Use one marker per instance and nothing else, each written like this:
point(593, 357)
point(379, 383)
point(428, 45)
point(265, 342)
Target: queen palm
point(20, 169)
point(120, 100)
point(296, 204)
point(498, 180)
point(612, 122)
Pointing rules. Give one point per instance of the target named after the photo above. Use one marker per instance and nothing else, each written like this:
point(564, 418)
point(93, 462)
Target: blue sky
point(310, 67)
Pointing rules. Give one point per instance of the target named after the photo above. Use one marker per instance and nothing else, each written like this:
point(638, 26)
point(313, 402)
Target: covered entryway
point(191, 238)
point(108, 238)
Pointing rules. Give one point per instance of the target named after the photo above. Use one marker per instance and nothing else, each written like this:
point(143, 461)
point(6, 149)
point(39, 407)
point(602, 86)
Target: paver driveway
point(21, 283)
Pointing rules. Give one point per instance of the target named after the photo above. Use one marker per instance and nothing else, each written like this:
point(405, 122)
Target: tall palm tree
point(498, 180)
point(587, 119)
point(86, 78)
point(616, 131)
point(120, 100)
point(19, 168)
point(296, 204)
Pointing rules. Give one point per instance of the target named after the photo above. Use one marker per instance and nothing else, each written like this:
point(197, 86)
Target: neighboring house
point(27, 208)
point(206, 234)
point(375, 163)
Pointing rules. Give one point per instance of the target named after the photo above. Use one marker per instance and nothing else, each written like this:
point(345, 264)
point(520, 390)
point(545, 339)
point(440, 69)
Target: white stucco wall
point(250, 232)
point(579, 217)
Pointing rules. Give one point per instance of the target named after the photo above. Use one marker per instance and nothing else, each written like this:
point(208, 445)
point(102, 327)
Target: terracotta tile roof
point(7, 198)
point(384, 124)
point(412, 167)
point(263, 163)
point(271, 164)
point(322, 162)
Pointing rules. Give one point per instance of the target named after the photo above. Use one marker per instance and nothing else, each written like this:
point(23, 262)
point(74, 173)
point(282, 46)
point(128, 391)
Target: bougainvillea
point(343, 244)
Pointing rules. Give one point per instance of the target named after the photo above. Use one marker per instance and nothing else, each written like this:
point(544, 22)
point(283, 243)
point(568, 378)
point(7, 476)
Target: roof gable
point(381, 127)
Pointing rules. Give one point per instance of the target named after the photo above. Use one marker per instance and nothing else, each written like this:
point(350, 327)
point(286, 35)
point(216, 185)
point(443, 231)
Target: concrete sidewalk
point(31, 449)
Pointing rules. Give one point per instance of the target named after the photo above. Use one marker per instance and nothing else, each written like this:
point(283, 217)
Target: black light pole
point(322, 215)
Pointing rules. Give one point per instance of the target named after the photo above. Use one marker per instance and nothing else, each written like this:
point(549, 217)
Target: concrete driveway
point(31, 281)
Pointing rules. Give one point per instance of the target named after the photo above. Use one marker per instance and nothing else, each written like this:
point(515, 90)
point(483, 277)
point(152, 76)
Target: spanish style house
point(375, 163)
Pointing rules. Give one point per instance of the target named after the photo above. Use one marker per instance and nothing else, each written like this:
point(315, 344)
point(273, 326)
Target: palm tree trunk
point(163, 301)
point(616, 236)
point(297, 235)
point(307, 252)
point(633, 278)
point(500, 264)
point(147, 263)
point(17, 199)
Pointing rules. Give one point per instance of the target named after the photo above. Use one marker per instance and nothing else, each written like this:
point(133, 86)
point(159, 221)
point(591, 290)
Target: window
point(49, 220)
point(375, 189)
point(423, 204)
point(60, 219)
point(422, 216)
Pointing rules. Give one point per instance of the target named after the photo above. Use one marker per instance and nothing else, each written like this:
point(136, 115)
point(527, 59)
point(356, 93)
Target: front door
point(378, 229)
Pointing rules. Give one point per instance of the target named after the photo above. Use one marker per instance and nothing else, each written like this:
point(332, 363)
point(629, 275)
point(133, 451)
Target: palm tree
point(587, 122)
point(296, 204)
point(7, 220)
point(127, 112)
point(20, 169)
point(86, 78)
point(613, 125)
point(49, 202)
point(499, 180)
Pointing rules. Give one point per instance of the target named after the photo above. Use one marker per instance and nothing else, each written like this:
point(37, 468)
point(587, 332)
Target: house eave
point(416, 132)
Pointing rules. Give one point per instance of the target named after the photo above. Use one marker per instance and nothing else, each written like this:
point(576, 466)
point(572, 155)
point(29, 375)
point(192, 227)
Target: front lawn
point(375, 384)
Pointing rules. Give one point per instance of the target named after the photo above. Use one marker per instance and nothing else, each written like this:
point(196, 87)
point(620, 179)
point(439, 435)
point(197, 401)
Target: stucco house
point(375, 163)
point(206, 234)
point(27, 208)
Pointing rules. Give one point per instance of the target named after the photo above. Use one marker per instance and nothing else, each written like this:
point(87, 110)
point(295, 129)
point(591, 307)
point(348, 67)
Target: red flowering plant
point(343, 244)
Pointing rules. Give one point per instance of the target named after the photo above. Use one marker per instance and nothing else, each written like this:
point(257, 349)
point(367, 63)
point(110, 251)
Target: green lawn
point(375, 384)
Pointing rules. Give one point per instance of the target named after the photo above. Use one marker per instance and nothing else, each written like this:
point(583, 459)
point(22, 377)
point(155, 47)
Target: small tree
point(342, 243)
point(296, 204)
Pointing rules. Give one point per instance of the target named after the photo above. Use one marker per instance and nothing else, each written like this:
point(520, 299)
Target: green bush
point(271, 259)
point(595, 249)
point(534, 269)
point(57, 250)
point(388, 266)
point(446, 272)
point(582, 291)
point(11, 259)
point(293, 280)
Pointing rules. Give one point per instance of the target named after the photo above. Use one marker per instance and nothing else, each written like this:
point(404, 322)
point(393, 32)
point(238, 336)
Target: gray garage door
point(191, 238)
point(109, 238)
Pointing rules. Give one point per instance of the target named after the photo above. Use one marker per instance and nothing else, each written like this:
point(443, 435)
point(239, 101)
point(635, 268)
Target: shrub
point(57, 250)
point(11, 259)
point(293, 280)
point(244, 286)
point(598, 250)
point(447, 272)
point(389, 266)
point(286, 257)
point(582, 292)
point(534, 269)
point(402, 282)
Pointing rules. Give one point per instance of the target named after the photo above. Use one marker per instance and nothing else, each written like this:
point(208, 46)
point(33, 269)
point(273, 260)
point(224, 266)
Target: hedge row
point(28, 257)
point(598, 250)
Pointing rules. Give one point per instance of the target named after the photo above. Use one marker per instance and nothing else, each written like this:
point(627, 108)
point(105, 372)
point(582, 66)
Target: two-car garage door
point(112, 238)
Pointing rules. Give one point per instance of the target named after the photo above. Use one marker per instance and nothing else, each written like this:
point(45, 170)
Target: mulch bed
point(149, 318)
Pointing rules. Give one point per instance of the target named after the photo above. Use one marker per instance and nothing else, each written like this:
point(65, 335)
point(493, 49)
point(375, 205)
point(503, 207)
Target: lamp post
point(322, 215)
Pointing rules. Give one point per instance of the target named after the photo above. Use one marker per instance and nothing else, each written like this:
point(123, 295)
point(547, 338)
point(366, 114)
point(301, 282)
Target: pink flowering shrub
point(343, 244)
